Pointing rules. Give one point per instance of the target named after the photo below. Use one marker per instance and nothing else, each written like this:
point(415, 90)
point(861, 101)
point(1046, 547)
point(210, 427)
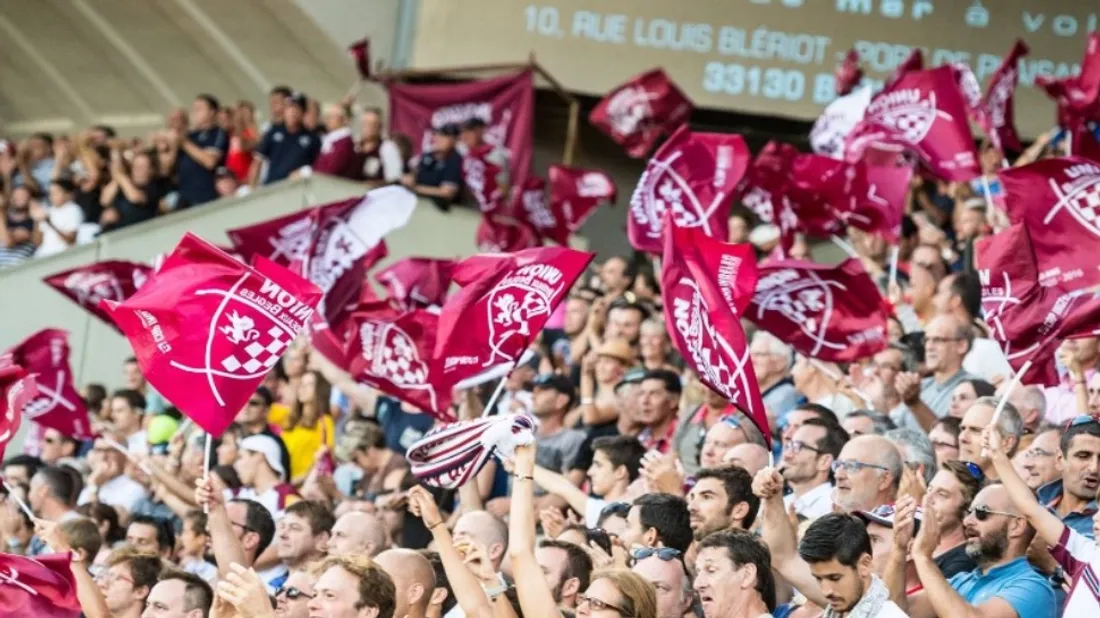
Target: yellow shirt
point(302, 442)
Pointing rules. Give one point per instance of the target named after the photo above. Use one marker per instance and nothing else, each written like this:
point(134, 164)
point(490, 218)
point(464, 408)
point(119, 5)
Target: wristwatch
point(497, 589)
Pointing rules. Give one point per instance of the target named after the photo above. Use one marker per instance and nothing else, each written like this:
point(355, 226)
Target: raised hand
point(767, 483)
point(422, 505)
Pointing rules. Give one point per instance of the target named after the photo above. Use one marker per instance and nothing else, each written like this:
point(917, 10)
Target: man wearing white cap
point(263, 477)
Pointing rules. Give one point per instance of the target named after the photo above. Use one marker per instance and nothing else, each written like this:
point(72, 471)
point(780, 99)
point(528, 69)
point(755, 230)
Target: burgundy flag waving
point(693, 177)
point(392, 353)
point(766, 187)
point(923, 112)
point(704, 286)
point(207, 329)
point(1058, 200)
point(832, 313)
point(17, 389)
point(636, 114)
point(360, 54)
point(114, 280)
point(1078, 96)
point(417, 281)
point(830, 195)
point(998, 117)
point(41, 587)
point(503, 305)
point(57, 405)
point(504, 234)
point(575, 192)
point(913, 62)
point(481, 177)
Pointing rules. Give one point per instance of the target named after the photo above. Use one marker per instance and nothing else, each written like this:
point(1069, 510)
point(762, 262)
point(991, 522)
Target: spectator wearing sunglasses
point(658, 520)
point(979, 416)
point(1042, 462)
point(838, 549)
point(1073, 496)
point(807, 466)
point(1004, 584)
point(664, 568)
point(293, 597)
point(867, 473)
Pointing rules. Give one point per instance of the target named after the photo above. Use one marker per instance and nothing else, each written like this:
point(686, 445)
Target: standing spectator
point(58, 223)
point(242, 141)
point(17, 229)
point(35, 162)
point(308, 425)
point(807, 463)
point(199, 153)
point(303, 535)
point(262, 475)
point(473, 141)
point(134, 194)
point(946, 343)
point(735, 575)
point(108, 483)
point(438, 174)
point(227, 185)
point(661, 390)
point(382, 160)
point(337, 157)
point(721, 499)
point(276, 105)
point(286, 147)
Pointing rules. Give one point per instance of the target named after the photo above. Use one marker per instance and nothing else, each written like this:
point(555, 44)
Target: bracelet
point(520, 477)
point(435, 525)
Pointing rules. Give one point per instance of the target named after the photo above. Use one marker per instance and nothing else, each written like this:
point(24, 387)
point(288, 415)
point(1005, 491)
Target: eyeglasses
point(1036, 452)
point(109, 577)
point(982, 513)
point(938, 444)
point(615, 509)
point(796, 446)
point(242, 526)
point(598, 605)
point(292, 593)
point(854, 467)
point(940, 340)
point(667, 554)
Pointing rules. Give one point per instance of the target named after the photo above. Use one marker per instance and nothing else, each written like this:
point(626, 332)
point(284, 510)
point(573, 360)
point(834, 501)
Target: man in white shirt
point(128, 416)
point(808, 457)
point(107, 483)
point(59, 222)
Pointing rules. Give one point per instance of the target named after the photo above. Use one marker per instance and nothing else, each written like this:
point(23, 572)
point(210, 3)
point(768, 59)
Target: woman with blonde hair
point(613, 592)
point(307, 424)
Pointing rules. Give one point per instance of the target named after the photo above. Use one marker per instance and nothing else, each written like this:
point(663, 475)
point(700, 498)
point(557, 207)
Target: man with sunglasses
point(997, 537)
point(1073, 496)
point(664, 568)
point(293, 597)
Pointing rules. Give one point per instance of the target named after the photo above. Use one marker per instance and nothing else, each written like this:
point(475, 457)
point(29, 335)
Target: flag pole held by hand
point(206, 466)
point(893, 280)
point(1008, 391)
point(19, 501)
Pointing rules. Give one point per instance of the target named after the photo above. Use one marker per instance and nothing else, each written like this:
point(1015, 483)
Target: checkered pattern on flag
point(706, 284)
point(207, 329)
point(57, 404)
point(17, 389)
point(451, 455)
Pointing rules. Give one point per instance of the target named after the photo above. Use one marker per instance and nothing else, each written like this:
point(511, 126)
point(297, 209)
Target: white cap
point(269, 448)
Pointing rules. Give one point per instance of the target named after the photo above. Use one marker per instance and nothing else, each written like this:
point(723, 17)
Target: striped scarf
point(451, 455)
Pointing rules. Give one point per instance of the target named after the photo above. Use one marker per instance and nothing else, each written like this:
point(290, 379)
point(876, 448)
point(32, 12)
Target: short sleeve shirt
point(556, 452)
point(196, 183)
point(1016, 582)
point(286, 152)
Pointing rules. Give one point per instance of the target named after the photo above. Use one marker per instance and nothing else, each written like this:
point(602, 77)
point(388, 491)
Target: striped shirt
point(1080, 558)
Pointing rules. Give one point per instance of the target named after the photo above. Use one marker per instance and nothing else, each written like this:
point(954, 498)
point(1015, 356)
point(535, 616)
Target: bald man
point(358, 533)
point(867, 473)
point(751, 457)
point(947, 340)
point(413, 579)
point(487, 530)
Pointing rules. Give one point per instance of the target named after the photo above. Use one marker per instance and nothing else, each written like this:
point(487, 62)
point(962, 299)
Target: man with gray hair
point(866, 422)
point(916, 451)
point(979, 416)
point(771, 361)
point(1030, 402)
point(867, 473)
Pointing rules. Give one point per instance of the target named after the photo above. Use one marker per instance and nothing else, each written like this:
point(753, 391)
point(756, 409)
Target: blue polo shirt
point(286, 151)
point(1016, 582)
point(196, 183)
point(1050, 495)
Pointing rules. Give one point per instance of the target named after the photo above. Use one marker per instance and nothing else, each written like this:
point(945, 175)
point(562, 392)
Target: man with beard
point(946, 342)
point(838, 551)
point(867, 473)
point(807, 466)
point(721, 499)
point(1073, 497)
point(997, 537)
point(979, 416)
point(734, 577)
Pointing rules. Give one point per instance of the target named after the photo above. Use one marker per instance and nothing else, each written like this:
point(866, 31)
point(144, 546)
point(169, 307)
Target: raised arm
point(1047, 524)
point(227, 547)
point(535, 599)
point(780, 537)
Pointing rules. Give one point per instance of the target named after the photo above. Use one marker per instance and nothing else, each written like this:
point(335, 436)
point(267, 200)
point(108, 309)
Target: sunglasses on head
point(615, 509)
point(292, 593)
point(1083, 419)
point(667, 554)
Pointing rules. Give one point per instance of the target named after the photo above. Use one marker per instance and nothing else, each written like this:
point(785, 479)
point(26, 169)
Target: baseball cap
point(269, 448)
point(883, 515)
point(558, 382)
point(450, 130)
point(474, 123)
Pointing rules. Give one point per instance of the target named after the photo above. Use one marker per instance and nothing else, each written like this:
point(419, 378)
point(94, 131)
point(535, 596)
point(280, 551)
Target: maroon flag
point(830, 195)
point(506, 104)
point(765, 190)
point(998, 118)
point(913, 62)
point(417, 281)
point(848, 74)
point(1077, 96)
point(480, 176)
point(17, 389)
point(503, 234)
point(86, 285)
point(636, 114)
point(575, 192)
point(1084, 142)
point(360, 54)
point(704, 286)
point(693, 177)
point(393, 353)
point(41, 587)
point(833, 313)
point(1058, 200)
point(503, 305)
point(57, 405)
point(207, 329)
point(969, 88)
point(923, 112)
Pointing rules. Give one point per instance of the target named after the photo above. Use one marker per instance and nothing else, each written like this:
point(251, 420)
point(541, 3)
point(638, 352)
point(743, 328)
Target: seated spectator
point(134, 193)
point(59, 222)
point(286, 147)
point(438, 173)
point(337, 156)
point(382, 160)
point(18, 231)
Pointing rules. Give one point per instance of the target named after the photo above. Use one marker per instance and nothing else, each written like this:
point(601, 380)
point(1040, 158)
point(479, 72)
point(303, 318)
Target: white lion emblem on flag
point(913, 120)
point(392, 355)
point(515, 301)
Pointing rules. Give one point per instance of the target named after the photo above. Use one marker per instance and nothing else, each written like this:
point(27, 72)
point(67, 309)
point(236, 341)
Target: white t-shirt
point(120, 491)
point(815, 503)
point(67, 218)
